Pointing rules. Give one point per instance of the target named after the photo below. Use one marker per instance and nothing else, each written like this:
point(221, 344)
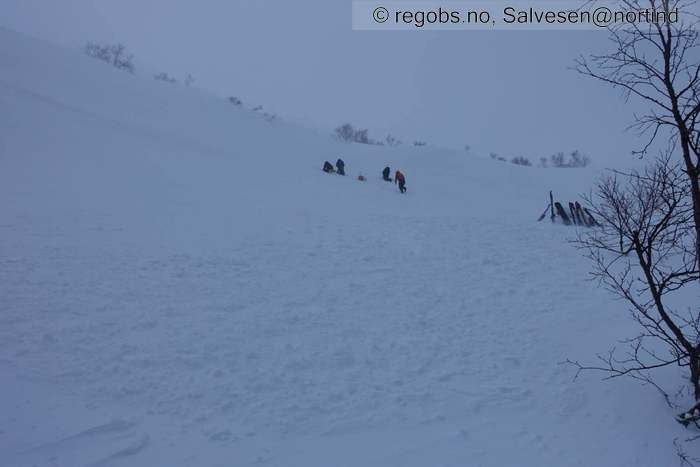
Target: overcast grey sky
point(502, 91)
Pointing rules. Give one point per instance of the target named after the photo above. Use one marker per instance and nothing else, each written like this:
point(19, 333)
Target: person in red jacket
point(400, 180)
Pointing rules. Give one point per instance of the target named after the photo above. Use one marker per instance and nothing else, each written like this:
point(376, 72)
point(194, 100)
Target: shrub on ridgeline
point(348, 133)
point(520, 160)
point(420, 143)
point(345, 132)
point(574, 161)
point(235, 101)
point(166, 78)
point(391, 141)
point(559, 160)
point(114, 54)
point(361, 136)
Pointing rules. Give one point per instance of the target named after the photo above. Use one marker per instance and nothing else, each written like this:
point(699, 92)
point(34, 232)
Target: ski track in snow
point(184, 293)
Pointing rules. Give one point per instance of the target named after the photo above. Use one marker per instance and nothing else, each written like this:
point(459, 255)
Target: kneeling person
point(385, 174)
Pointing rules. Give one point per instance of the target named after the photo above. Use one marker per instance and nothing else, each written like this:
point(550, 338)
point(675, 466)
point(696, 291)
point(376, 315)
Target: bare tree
point(98, 51)
point(658, 62)
point(115, 54)
point(521, 160)
point(121, 59)
point(644, 252)
point(235, 101)
point(361, 136)
point(165, 78)
point(347, 132)
point(575, 160)
point(392, 141)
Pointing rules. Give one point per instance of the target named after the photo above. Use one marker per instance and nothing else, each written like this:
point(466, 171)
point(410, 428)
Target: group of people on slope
point(399, 178)
point(340, 167)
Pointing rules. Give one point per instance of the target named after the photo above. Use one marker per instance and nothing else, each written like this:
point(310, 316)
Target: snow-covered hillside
point(181, 285)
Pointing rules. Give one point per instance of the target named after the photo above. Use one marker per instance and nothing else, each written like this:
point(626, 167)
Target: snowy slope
point(180, 285)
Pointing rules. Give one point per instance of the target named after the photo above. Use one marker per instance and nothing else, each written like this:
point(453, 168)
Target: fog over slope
point(508, 92)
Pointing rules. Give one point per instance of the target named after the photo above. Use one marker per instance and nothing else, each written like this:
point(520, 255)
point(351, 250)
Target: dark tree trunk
point(692, 168)
point(695, 374)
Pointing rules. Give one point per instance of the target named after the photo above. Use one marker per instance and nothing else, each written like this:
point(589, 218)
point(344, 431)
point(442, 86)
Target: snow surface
point(181, 285)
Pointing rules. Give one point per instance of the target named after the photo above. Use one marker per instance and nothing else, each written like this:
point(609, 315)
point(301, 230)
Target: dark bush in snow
point(235, 101)
point(115, 54)
point(420, 143)
point(575, 160)
point(361, 136)
point(557, 159)
point(347, 132)
point(520, 160)
point(165, 78)
point(391, 141)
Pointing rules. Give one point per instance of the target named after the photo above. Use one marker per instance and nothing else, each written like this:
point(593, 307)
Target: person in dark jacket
point(340, 167)
point(385, 174)
point(327, 167)
point(401, 181)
